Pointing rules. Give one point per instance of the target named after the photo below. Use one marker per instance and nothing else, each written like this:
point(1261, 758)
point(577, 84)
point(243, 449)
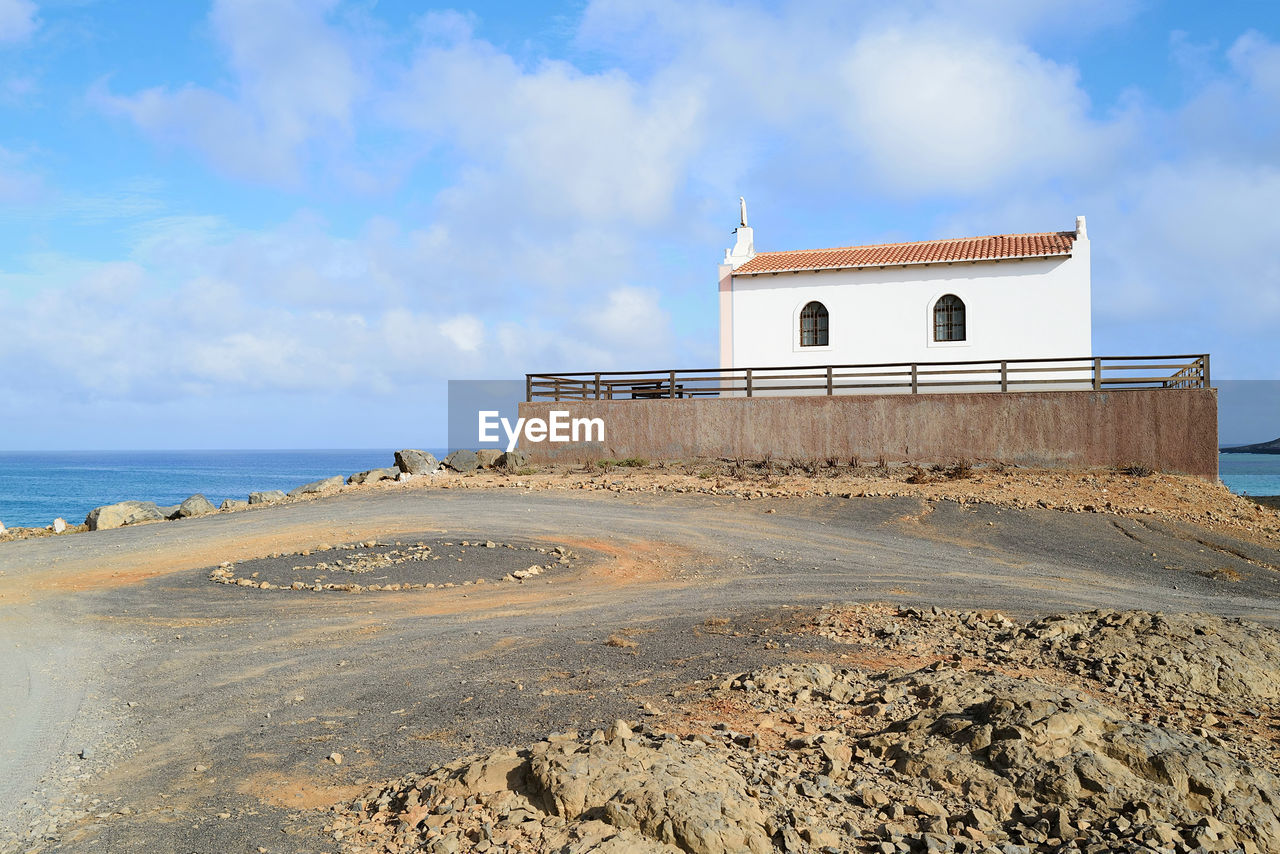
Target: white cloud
point(17, 20)
point(938, 114)
point(205, 309)
point(549, 142)
point(296, 83)
point(1257, 59)
point(916, 99)
point(1194, 244)
point(630, 319)
point(1234, 109)
point(464, 331)
point(541, 247)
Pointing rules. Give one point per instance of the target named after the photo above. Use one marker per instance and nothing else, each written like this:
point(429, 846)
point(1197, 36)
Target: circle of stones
point(364, 561)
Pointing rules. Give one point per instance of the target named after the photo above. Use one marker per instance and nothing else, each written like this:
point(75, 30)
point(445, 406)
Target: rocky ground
point(156, 696)
point(1269, 501)
point(1097, 731)
point(1134, 493)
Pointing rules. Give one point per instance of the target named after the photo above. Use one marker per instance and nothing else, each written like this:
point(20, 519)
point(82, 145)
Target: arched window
point(948, 319)
point(813, 325)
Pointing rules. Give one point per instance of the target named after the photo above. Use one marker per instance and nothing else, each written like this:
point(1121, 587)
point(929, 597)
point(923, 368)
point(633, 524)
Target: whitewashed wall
point(1015, 309)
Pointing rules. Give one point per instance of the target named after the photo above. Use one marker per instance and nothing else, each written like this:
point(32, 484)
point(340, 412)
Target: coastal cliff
point(1272, 447)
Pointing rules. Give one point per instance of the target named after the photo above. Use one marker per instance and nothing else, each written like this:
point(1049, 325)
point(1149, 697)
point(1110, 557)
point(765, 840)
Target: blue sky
point(276, 223)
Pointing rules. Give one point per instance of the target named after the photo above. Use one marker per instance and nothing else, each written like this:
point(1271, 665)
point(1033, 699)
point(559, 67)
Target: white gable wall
point(1014, 309)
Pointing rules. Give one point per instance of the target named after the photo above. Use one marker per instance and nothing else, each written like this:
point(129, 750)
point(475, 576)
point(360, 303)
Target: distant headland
point(1272, 447)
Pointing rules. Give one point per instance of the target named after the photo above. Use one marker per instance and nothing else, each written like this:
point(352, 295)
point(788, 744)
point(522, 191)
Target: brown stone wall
point(1171, 430)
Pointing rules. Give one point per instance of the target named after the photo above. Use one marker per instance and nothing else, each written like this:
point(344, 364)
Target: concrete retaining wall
point(1171, 430)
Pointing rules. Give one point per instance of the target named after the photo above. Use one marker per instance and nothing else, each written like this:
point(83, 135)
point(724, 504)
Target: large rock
point(273, 496)
point(196, 505)
point(233, 504)
point(374, 475)
point(688, 798)
point(513, 460)
point(315, 486)
point(410, 461)
point(487, 458)
point(1, 528)
point(122, 513)
point(462, 461)
point(1057, 747)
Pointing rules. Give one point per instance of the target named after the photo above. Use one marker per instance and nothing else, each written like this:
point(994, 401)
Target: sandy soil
point(123, 649)
point(1209, 505)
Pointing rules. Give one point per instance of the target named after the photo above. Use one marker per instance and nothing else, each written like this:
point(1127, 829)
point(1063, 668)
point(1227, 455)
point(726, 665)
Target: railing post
point(1204, 377)
point(1097, 374)
point(528, 387)
point(748, 382)
point(673, 384)
point(597, 386)
point(557, 388)
point(1004, 376)
point(915, 380)
point(829, 383)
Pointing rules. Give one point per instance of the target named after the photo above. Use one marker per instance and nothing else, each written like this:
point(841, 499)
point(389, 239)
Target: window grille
point(948, 319)
point(813, 325)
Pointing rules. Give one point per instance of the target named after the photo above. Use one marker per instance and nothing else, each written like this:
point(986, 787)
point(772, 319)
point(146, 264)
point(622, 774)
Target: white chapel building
point(1002, 297)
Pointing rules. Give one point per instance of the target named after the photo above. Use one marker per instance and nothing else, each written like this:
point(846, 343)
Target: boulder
point(462, 461)
point(196, 505)
point(122, 513)
point(416, 462)
point(374, 475)
point(516, 459)
point(690, 798)
point(59, 525)
point(233, 504)
point(487, 458)
point(317, 486)
point(2, 528)
point(273, 496)
point(168, 511)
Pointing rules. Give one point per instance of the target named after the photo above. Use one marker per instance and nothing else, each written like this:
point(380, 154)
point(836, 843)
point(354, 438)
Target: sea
point(1250, 474)
point(38, 486)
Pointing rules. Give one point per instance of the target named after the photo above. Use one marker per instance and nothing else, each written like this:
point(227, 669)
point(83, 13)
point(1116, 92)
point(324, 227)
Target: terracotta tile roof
point(993, 248)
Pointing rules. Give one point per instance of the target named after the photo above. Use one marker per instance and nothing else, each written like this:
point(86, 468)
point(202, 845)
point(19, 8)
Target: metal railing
point(1088, 372)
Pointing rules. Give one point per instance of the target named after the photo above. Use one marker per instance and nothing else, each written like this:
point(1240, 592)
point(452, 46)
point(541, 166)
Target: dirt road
point(210, 714)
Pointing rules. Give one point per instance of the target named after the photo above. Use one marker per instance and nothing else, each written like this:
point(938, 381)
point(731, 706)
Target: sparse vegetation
point(1138, 470)
point(919, 475)
point(628, 463)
